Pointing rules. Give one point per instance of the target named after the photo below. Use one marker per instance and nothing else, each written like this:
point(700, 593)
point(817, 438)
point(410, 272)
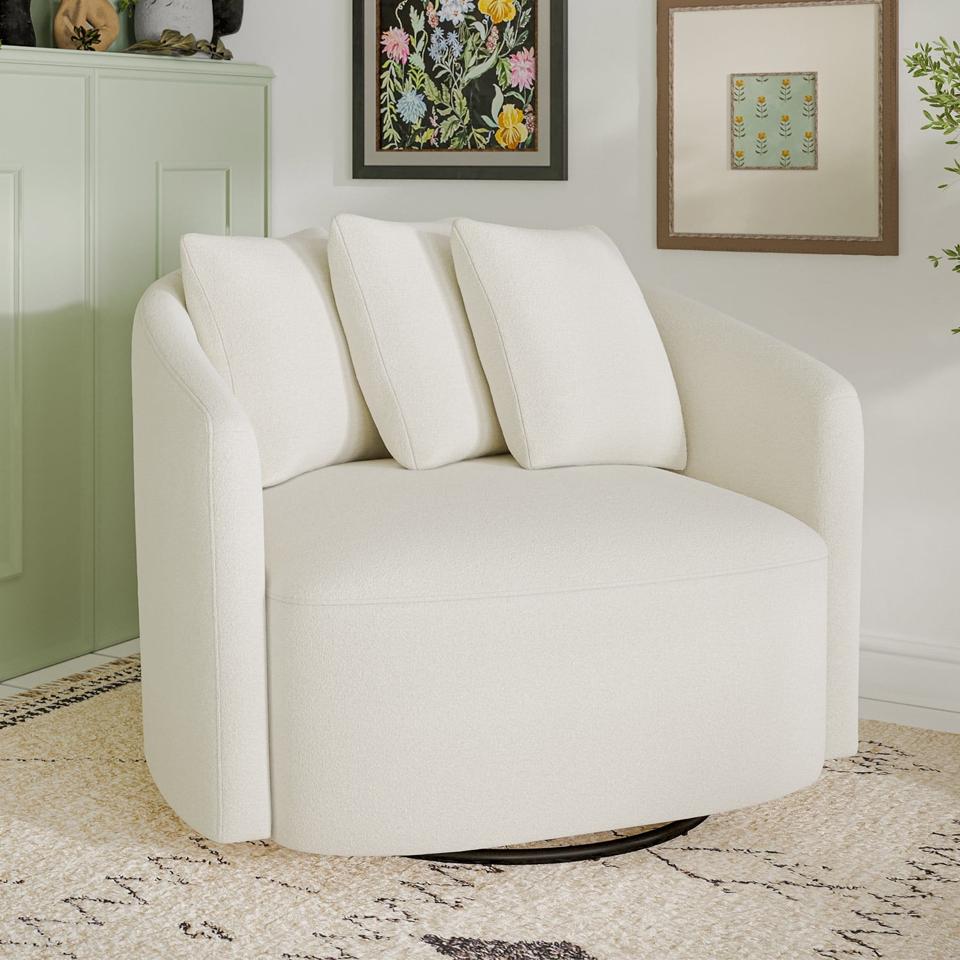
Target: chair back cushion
point(576, 366)
point(265, 315)
point(410, 339)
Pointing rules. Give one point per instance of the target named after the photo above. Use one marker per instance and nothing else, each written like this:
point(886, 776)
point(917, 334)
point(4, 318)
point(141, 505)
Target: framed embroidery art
point(777, 126)
point(460, 89)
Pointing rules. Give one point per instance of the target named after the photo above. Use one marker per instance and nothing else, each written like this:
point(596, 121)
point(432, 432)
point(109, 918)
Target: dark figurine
point(16, 27)
point(227, 17)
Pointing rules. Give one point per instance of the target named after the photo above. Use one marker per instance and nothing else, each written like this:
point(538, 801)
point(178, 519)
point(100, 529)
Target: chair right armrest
point(200, 561)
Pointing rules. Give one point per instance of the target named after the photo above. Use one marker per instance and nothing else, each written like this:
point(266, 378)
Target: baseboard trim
point(913, 647)
point(910, 673)
point(909, 715)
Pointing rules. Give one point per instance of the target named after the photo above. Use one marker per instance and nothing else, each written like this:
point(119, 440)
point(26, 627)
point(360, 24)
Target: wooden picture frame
point(420, 143)
point(701, 203)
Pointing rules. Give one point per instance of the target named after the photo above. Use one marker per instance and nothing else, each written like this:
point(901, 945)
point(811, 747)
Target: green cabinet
point(105, 160)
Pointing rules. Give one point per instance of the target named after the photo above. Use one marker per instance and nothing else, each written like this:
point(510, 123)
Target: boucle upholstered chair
point(362, 659)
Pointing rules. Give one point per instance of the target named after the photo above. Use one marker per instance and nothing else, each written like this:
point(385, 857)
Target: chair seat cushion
point(373, 532)
point(481, 654)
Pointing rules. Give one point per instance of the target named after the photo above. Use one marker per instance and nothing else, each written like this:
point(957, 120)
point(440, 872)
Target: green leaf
point(479, 69)
point(489, 122)
point(431, 90)
point(448, 126)
point(497, 102)
point(503, 72)
point(416, 21)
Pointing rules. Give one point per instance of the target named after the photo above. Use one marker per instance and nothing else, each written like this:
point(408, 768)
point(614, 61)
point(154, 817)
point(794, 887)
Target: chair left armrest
point(768, 421)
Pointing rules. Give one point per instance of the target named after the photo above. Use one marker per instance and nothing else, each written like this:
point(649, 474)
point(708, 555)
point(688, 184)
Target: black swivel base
point(505, 856)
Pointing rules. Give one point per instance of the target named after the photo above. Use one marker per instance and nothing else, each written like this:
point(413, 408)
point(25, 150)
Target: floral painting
point(773, 121)
point(457, 75)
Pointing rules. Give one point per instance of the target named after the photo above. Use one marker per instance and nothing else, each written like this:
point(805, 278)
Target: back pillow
point(264, 314)
point(410, 340)
point(576, 365)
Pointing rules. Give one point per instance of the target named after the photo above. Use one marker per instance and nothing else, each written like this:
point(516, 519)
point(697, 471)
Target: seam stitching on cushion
point(376, 342)
point(213, 551)
point(503, 349)
point(298, 601)
point(213, 316)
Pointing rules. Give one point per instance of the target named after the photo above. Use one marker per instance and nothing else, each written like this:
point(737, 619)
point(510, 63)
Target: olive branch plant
point(939, 63)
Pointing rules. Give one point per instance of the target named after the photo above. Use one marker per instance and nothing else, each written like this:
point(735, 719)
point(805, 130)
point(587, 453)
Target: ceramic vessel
point(227, 17)
point(100, 15)
point(152, 17)
point(16, 25)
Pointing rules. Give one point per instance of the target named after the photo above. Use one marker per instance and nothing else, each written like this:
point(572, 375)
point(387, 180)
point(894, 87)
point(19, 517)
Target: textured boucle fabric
point(575, 364)
point(444, 635)
point(199, 515)
point(264, 313)
point(373, 532)
point(771, 422)
point(863, 865)
point(411, 344)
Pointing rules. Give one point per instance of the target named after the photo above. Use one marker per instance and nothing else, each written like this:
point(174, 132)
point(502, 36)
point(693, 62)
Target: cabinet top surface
point(12, 57)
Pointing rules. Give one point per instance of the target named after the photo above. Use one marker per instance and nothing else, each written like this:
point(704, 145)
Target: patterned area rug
point(94, 866)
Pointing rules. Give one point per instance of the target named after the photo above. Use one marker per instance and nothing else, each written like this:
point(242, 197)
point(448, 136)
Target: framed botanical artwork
point(777, 126)
point(460, 89)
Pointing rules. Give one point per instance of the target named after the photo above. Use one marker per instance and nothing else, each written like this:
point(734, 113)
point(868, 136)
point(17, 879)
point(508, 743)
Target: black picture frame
point(557, 168)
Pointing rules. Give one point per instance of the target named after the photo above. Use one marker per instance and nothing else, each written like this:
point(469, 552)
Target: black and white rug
point(94, 866)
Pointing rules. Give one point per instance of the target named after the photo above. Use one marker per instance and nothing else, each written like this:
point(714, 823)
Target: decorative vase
point(152, 17)
point(227, 17)
point(100, 15)
point(16, 25)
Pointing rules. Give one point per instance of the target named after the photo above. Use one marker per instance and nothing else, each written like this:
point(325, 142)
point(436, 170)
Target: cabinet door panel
point(173, 157)
point(46, 391)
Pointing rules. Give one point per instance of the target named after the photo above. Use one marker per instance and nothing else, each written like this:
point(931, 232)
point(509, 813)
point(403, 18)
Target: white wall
point(883, 322)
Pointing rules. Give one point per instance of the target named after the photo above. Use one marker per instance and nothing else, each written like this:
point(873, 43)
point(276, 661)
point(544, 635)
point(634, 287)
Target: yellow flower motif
point(739, 154)
point(761, 99)
point(786, 81)
point(761, 136)
point(498, 10)
point(785, 118)
point(738, 83)
point(808, 98)
point(512, 131)
point(738, 119)
point(808, 135)
point(784, 153)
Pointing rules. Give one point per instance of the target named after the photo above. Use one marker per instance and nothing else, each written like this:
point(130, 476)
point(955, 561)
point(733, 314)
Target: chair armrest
point(766, 420)
point(200, 561)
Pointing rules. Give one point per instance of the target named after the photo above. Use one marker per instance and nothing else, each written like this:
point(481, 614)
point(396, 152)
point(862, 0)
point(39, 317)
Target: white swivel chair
point(368, 660)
